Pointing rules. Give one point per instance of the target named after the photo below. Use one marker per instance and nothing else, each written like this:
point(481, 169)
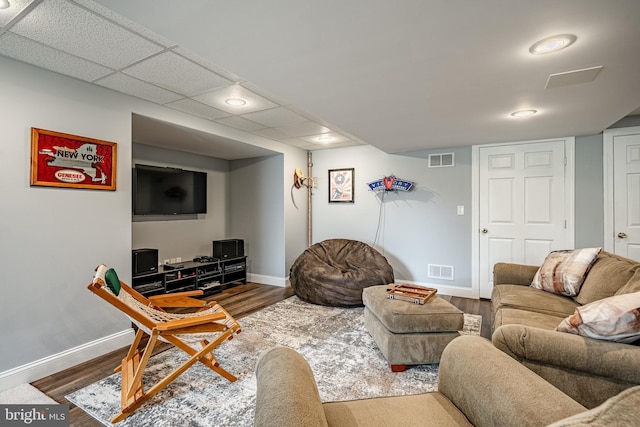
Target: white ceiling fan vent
point(442, 160)
point(440, 271)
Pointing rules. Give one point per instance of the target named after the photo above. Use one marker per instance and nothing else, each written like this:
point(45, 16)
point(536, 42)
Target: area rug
point(25, 394)
point(344, 358)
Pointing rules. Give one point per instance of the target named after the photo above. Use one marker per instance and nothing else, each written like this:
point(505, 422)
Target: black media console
point(211, 276)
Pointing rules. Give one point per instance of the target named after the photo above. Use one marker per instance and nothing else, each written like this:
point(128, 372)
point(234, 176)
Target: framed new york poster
point(63, 160)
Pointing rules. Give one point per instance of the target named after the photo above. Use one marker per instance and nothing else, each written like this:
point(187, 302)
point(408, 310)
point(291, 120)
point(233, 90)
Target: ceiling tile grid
point(296, 84)
point(65, 26)
point(171, 71)
point(90, 42)
point(27, 50)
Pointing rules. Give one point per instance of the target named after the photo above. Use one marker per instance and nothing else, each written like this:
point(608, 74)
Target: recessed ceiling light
point(4, 4)
point(325, 139)
point(523, 113)
point(552, 44)
point(236, 102)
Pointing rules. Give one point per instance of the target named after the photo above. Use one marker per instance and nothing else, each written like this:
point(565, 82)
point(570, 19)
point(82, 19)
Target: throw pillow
point(563, 272)
point(112, 281)
point(616, 318)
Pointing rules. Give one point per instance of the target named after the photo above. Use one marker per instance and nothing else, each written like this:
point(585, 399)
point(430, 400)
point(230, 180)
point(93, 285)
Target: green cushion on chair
point(112, 281)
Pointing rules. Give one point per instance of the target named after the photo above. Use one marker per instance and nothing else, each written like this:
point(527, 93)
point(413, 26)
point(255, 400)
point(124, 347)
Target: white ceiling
point(398, 75)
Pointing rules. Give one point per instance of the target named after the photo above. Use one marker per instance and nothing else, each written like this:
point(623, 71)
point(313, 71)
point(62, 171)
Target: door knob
point(622, 235)
point(484, 231)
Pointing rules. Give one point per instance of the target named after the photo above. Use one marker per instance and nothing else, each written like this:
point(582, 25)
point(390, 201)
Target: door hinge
point(565, 224)
point(565, 160)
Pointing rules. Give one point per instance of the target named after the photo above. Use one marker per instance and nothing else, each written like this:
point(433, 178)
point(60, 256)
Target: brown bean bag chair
point(334, 272)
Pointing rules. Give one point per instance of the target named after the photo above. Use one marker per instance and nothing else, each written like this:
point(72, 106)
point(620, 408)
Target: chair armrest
point(171, 325)
point(587, 369)
point(491, 388)
point(513, 274)
point(287, 394)
point(178, 299)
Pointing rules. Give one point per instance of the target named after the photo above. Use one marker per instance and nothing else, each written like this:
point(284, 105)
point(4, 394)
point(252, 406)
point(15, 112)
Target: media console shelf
point(210, 277)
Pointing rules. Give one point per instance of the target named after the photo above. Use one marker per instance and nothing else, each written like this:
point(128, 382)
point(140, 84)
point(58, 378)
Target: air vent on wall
point(441, 160)
point(440, 271)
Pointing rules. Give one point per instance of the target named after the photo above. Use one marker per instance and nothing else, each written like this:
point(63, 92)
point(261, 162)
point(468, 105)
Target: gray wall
point(589, 196)
point(422, 227)
point(184, 236)
point(257, 216)
point(52, 238)
point(414, 228)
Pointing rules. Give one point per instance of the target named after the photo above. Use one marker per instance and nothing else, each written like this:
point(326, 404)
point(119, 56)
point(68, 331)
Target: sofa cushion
point(411, 410)
point(633, 285)
point(608, 274)
point(563, 272)
point(620, 410)
point(616, 318)
point(528, 298)
point(514, 316)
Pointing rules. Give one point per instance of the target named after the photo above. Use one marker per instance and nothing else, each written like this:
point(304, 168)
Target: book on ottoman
point(412, 293)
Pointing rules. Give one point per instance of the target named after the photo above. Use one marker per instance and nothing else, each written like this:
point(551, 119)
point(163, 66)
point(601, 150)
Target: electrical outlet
point(460, 210)
point(179, 259)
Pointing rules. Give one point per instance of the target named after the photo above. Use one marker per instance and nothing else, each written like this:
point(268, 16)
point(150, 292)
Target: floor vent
point(442, 160)
point(440, 272)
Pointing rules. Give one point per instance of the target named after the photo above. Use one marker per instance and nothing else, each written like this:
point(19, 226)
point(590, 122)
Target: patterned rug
point(344, 358)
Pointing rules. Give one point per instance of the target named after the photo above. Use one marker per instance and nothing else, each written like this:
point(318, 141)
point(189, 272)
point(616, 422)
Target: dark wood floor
point(239, 301)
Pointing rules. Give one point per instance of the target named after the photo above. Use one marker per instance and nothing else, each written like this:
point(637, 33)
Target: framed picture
point(62, 160)
point(341, 185)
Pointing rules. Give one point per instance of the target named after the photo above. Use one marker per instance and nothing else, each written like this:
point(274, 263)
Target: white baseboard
point(58, 362)
point(453, 291)
point(267, 280)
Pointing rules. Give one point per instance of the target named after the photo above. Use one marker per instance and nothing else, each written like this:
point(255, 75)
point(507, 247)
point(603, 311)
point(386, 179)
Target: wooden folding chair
point(196, 333)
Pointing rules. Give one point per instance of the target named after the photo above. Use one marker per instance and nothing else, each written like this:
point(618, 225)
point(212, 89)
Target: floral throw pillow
point(616, 318)
point(563, 272)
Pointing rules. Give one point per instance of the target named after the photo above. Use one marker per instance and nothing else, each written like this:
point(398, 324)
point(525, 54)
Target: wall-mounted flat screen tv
point(168, 191)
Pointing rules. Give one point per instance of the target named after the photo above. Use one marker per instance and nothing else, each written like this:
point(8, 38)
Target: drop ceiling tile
point(124, 22)
point(129, 85)
point(240, 123)
point(296, 142)
point(197, 109)
point(304, 129)
point(335, 138)
point(177, 74)
point(27, 50)
point(216, 98)
point(75, 30)
point(207, 64)
point(15, 7)
point(271, 133)
point(337, 145)
point(276, 117)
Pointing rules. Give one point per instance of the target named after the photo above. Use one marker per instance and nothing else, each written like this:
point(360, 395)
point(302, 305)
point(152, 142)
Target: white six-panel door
point(522, 205)
point(622, 146)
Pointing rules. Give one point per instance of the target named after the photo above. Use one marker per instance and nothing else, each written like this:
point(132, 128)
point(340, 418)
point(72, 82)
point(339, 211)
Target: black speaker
point(226, 249)
point(144, 261)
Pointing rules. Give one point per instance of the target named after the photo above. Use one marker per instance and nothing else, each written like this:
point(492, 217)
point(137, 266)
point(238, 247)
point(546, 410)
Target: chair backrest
point(129, 301)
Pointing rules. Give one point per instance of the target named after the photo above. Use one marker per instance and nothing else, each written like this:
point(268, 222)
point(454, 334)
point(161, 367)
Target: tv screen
point(168, 191)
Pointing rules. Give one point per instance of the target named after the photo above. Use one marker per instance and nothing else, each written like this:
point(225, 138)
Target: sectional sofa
point(530, 375)
point(590, 370)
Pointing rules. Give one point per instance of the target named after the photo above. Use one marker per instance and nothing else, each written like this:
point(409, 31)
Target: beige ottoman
point(408, 333)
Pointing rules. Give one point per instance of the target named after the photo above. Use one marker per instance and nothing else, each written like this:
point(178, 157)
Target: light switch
point(460, 210)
